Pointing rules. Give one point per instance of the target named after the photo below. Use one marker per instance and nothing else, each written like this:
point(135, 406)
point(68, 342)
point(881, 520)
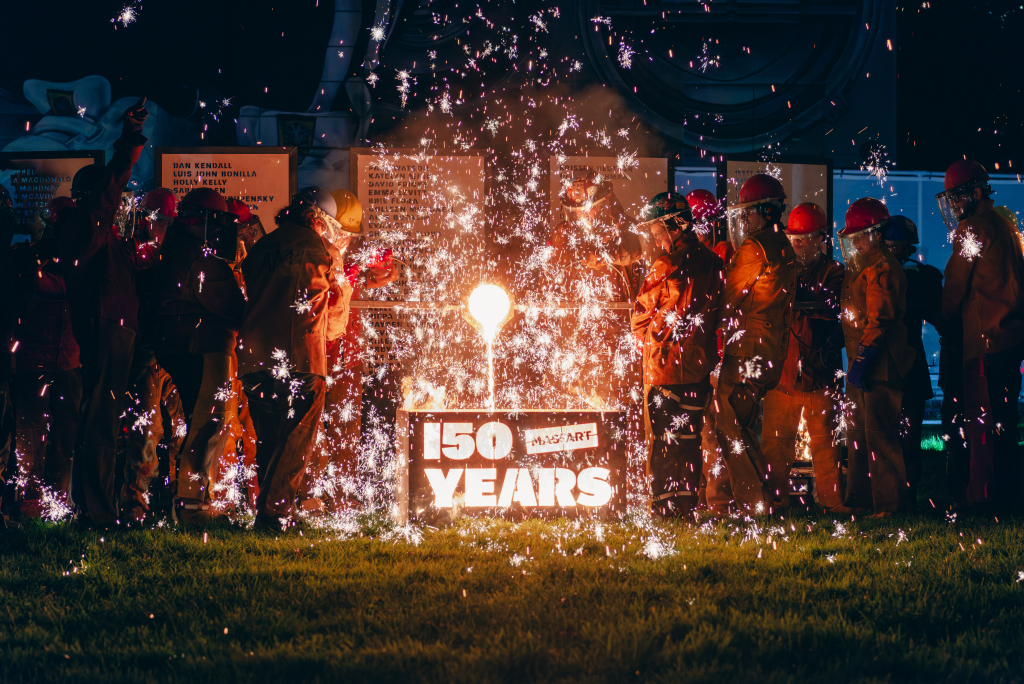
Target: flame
point(803, 438)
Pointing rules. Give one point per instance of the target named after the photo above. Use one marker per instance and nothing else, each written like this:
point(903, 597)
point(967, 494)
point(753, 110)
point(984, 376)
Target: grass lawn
point(806, 598)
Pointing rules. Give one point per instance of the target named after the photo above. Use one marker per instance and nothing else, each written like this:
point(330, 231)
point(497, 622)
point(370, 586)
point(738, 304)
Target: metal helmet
point(664, 206)
point(703, 204)
point(85, 180)
point(865, 225)
point(1007, 214)
point(956, 201)
point(587, 188)
point(902, 229)
point(239, 209)
point(350, 211)
point(160, 203)
point(205, 198)
point(805, 219)
point(53, 209)
point(760, 190)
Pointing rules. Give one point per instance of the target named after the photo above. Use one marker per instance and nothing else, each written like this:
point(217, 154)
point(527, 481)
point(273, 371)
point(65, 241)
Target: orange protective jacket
point(983, 281)
point(818, 289)
point(873, 302)
point(756, 308)
point(674, 316)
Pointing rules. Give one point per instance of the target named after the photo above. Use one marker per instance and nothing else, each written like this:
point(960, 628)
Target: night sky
point(959, 63)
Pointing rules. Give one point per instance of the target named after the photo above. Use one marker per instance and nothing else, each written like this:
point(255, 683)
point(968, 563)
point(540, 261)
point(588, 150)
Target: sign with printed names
point(264, 178)
point(35, 178)
point(415, 204)
point(632, 186)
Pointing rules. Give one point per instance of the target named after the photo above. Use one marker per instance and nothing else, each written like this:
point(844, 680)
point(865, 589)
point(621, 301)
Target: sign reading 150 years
point(265, 178)
point(428, 200)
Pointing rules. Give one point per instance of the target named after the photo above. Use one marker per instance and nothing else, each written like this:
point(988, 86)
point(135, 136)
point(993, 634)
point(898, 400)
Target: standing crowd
point(198, 337)
point(205, 350)
point(778, 312)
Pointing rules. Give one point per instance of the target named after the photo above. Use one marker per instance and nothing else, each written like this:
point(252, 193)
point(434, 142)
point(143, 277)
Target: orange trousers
point(778, 443)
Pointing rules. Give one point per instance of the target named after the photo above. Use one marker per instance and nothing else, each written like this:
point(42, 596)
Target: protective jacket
point(815, 316)
point(924, 303)
point(983, 282)
point(43, 332)
point(674, 315)
point(756, 308)
point(101, 265)
point(198, 302)
point(295, 303)
point(873, 302)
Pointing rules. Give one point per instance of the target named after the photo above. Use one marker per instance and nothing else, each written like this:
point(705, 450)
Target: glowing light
point(489, 305)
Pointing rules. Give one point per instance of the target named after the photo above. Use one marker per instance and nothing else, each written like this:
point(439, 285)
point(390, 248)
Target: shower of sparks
point(626, 55)
point(705, 59)
point(970, 246)
point(377, 33)
point(127, 15)
point(878, 163)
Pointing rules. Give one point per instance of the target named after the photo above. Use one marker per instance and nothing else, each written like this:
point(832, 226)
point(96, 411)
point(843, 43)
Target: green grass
point(910, 599)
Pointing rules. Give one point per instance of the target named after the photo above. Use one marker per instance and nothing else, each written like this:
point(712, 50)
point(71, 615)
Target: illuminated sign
point(510, 463)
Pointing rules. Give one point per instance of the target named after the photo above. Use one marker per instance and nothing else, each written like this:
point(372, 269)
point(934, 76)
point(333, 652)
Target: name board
point(264, 178)
point(634, 183)
point(510, 463)
point(412, 204)
point(35, 178)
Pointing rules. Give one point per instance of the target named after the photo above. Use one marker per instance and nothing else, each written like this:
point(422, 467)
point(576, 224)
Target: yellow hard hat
point(350, 212)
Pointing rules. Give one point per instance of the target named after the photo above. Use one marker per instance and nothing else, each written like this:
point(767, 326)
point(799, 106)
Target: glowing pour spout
point(489, 305)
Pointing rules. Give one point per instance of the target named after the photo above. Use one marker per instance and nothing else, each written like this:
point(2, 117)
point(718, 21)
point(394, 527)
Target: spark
point(126, 16)
point(626, 54)
point(377, 33)
point(970, 246)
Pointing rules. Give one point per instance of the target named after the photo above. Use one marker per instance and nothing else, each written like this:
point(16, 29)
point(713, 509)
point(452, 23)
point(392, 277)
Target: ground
point(802, 598)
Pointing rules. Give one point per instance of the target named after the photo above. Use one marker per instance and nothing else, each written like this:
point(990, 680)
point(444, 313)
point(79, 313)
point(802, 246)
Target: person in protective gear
point(595, 261)
point(157, 210)
point(673, 325)
point(344, 397)
point(982, 293)
point(809, 388)
point(48, 380)
point(924, 303)
point(100, 277)
point(874, 300)
point(199, 311)
point(755, 314)
point(295, 306)
point(707, 214)
point(250, 228)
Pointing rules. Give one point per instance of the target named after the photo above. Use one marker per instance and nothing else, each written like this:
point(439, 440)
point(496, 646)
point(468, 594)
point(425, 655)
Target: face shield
point(857, 247)
point(125, 217)
point(954, 205)
point(808, 248)
point(219, 230)
point(745, 220)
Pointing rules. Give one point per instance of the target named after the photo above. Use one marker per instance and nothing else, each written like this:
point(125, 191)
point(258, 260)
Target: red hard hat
point(56, 205)
point(160, 201)
point(703, 204)
point(864, 214)
point(962, 172)
point(205, 198)
point(760, 187)
point(805, 219)
point(239, 209)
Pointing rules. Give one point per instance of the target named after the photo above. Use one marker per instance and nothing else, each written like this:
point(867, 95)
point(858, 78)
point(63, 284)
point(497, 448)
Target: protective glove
point(832, 352)
point(134, 118)
point(859, 367)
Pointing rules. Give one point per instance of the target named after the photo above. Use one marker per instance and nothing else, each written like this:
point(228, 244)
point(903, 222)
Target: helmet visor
point(952, 207)
point(808, 247)
point(738, 219)
point(858, 246)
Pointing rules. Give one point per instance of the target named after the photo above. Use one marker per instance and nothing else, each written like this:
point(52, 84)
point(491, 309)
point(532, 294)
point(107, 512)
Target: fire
point(803, 438)
point(489, 305)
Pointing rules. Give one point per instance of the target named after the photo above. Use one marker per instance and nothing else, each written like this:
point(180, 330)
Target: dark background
point(959, 64)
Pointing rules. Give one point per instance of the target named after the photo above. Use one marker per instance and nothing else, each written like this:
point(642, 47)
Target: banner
point(265, 178)
point(633, 186)
point(35, 178)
